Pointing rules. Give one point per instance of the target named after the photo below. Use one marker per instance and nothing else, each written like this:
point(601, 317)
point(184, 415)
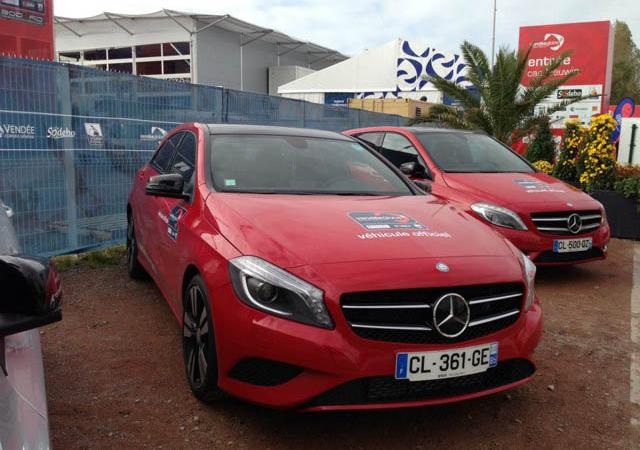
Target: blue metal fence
point(71, 139)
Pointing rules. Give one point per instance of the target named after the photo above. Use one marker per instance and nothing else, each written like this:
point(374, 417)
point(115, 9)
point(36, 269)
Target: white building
point(396, 69)
point(205, 49)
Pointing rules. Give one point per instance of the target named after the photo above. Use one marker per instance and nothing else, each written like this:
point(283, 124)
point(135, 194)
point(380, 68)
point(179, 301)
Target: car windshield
point(300, 165)
point(470, 152)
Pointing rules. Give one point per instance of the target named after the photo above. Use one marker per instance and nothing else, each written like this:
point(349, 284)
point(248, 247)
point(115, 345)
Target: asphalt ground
point(115, 378)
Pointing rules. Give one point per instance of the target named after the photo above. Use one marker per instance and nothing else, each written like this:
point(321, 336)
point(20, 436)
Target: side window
point(399, 150)
point(163, 156)
point(371, 138)
point(185, 161)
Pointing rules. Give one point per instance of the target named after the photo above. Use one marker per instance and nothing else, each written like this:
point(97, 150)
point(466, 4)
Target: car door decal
point(173, 224)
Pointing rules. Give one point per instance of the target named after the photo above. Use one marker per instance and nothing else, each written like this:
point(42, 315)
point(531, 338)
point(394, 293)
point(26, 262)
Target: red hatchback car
point(307, 272)
point(552, 222)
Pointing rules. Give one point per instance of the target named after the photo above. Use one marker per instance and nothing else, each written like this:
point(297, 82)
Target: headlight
point(529, 269)
point(498, 215)
point(268, 288)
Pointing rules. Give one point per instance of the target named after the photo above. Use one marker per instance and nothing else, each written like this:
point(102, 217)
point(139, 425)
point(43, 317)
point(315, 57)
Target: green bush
point(542, 148)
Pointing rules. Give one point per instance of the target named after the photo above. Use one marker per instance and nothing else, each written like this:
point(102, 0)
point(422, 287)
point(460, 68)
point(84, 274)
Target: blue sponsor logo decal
point(386, 221)
point(402, 363)
point(493, 355)
point(173, 225)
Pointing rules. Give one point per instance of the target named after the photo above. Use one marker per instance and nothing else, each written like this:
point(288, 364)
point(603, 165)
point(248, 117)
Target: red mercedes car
point(552, 222)
point(307, 272)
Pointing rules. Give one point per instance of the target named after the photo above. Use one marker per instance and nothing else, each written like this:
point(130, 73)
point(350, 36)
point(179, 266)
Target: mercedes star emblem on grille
point(451, 315)
point(574, 223)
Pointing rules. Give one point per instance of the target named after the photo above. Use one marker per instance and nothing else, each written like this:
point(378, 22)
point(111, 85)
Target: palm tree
point(498, 105)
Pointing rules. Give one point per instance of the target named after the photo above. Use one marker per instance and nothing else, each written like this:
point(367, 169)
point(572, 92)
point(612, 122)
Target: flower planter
point(622, 214)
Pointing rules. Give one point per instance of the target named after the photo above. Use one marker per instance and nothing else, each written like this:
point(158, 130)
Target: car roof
point(416, 129)
point(419, 129)
point(275, 131)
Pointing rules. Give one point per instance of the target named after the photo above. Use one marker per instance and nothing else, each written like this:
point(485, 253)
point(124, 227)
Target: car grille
point(387, 389)
point(556, 222)
point(406, 315)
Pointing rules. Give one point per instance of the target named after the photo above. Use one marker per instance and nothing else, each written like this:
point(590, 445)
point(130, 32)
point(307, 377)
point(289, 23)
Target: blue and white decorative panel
point(377, 95)
point(415, 62)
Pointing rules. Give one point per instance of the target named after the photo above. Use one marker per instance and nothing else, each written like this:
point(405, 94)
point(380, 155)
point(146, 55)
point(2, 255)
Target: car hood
point(291, 231)
point(517, 188)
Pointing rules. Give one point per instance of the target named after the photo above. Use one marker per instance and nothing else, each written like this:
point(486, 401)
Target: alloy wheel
point(195, 335)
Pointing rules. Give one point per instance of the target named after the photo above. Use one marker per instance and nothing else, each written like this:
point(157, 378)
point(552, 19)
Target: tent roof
point(127, 23)
point(373, 70)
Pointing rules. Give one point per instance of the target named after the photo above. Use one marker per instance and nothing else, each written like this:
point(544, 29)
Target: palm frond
point(447, 115)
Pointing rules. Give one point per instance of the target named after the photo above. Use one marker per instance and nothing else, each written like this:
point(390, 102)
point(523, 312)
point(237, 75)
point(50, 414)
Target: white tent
point(396, 69)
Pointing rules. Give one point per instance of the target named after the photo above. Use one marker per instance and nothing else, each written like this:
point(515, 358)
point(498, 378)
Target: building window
point(176, 48)
point(121, 67)
point(169, 60)
point(149, 68)
point(95, 55)
point(71, 57)
point(148, 51)
point(177, 66)
point(120, 53)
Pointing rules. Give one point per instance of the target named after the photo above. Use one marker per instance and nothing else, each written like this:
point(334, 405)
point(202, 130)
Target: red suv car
point(307, 272)
point(552, 222)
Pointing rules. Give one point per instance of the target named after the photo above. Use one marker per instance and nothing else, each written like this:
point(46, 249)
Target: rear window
point(470, 152)
point(300, 165)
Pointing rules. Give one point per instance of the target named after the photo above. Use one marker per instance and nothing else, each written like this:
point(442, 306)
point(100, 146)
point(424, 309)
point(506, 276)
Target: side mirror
point(423, 186)
point(413, 169)
point(31, 298)
point(170, 185)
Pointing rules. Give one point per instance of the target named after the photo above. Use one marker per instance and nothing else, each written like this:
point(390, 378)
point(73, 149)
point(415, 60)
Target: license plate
point(571, 245)
point(421, 366)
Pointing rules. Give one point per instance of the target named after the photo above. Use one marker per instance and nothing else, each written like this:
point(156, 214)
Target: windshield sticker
point(229, 182)
point(386, 221)
point(173, 223)
point(535, 186)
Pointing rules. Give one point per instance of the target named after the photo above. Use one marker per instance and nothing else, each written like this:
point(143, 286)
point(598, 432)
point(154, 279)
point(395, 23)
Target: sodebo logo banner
point(589, 42)
point(60, 133)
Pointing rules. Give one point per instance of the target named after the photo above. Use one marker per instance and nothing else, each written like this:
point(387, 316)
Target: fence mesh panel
point(72, 138)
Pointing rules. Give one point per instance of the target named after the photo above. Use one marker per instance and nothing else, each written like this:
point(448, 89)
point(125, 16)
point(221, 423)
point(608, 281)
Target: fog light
point(605, 248)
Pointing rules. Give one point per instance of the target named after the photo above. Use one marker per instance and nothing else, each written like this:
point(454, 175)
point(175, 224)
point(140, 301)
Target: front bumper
point(539, 247)
point(323, 364)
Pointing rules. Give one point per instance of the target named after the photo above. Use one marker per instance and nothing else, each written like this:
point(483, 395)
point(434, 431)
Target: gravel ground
point(115, 379)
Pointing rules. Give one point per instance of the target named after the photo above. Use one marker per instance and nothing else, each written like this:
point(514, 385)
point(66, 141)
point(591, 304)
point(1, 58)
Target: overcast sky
point(353, 25)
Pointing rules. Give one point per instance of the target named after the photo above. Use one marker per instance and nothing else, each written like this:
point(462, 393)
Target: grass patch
point(112, 256)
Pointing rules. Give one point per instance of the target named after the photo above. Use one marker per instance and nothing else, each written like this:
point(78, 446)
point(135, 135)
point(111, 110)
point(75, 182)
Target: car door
point(149, 219)
point(145, 208)
point(176, 211)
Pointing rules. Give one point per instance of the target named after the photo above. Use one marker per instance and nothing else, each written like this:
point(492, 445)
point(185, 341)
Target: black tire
point(135, 269)
point(198, 343)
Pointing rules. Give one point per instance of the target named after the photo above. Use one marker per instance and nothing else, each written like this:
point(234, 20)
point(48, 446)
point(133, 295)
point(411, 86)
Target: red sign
point(591, 58)
point(589, 42)
point(26, 28)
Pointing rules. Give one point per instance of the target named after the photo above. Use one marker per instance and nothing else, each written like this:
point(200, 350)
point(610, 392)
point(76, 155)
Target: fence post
point(304, 115)
point(63, 87)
